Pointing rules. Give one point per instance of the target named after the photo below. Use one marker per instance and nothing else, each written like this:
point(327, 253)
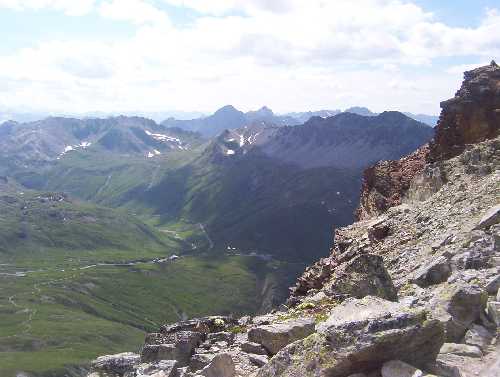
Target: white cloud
point(219, 7)
point(137, 11)
point(70, 7)
point(290, 55)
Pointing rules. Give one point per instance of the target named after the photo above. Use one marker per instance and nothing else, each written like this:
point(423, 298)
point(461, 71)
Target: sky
point(79, 56)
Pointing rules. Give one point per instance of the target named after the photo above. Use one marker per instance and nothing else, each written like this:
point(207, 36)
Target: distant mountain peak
point(360, 110)
point(266, 111)
point(227, 109)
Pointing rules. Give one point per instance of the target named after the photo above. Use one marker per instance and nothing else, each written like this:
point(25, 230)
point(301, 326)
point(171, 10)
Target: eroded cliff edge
point(471, 117)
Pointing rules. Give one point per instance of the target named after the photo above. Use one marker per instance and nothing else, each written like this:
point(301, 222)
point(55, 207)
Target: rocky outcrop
point(351, 271)
point(472, 116)
point(276, 336)
point(359, 336)
point(386, 183)
point(458, 306)
point(221, 365)
point(116, 364)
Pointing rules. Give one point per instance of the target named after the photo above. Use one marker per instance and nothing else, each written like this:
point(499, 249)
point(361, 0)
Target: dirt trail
point(210, 242)
point(106, 183)
point(31, 314)
point(154, 176)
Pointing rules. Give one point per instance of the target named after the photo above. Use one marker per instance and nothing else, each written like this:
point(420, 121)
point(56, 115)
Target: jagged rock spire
point(472, 116)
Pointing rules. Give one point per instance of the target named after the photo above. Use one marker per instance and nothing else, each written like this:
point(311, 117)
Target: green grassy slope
point(258, 204)
point(65, 315)
point(253, 203)
point(35, 222)
point(78, 280)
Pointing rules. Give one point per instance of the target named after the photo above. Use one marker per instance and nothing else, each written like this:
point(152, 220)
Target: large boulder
point(276, 336)
point(255, 348)
point(491, 217)
point(435, 271)
point(154, 352)
point(164, 368)
point(175, 346)
point(478, 336)
point(360, 336)
point(460, 350)
point(494, 312)
point(364, 275)
point(221, 365)
point(458, 306)
point(397, 368)
point(116, 364)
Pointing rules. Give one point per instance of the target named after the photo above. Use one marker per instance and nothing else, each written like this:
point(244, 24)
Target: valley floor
point(59, 312)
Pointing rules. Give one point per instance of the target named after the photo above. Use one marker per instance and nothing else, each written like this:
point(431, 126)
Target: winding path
point(106, 183)
point(210, 242)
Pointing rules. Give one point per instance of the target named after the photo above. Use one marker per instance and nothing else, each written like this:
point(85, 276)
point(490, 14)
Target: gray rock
point(409, 301)
point(479, 252)
point(200, 361)
point(178, 346)
point(460, 350)
point(118, 364)
point(491, 217)
point(478, 336)
point(364, 275)
point(457, 306)
point(259, 360)
point(359, 336)
point(435, 272)
point(276, 336)
point(486, 322)
point(202, 325)
point(255, 348)
point(221, 365)
point(154, 352)
point(164, 368)
point(446, 365)
point(183, 372)
point(494, 312)
point(493, 285)
point(245, 321)
point(221, 337)
point(397, 368)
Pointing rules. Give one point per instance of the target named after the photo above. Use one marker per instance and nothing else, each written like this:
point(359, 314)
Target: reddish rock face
point(385, 183)
point(472, 116)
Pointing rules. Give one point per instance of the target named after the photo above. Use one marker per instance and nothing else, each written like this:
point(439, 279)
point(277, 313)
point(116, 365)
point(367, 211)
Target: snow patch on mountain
point(70, 148)
point(165, 138)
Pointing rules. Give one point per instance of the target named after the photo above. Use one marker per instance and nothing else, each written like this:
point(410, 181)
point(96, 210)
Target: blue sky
point(77, 56)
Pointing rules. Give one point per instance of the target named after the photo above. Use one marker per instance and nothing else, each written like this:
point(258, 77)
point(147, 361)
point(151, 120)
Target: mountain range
point(244, 185)
point(168, 210)
point(228, 117)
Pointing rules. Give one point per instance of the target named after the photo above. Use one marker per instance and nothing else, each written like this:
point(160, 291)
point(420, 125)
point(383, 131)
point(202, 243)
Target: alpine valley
point(112, 226)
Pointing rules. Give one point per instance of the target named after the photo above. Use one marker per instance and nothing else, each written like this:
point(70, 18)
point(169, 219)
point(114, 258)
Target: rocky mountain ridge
point(230, 118)
point(411, 290)
point(42, 143)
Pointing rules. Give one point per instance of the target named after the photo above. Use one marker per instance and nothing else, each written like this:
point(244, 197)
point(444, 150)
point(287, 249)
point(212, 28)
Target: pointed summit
point(227, 110)
point(470, 117)
point(494, 63)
